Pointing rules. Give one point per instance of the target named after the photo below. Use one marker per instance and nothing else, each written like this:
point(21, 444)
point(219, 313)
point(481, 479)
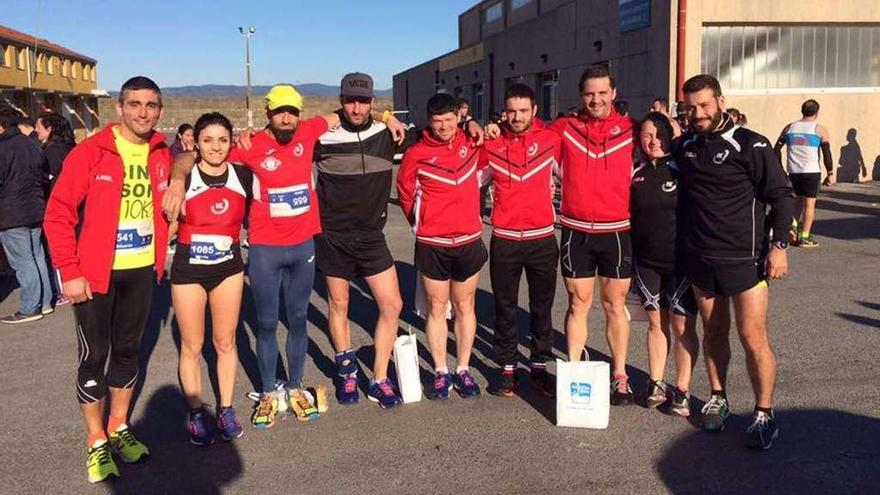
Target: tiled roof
point(10, 34)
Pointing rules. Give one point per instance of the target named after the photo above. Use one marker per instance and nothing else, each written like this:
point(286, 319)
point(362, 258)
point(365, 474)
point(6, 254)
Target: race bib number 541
point(134, 236)
point(289, 201)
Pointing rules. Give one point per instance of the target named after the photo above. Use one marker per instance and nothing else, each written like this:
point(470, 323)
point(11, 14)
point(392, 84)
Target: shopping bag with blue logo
point(583, 393)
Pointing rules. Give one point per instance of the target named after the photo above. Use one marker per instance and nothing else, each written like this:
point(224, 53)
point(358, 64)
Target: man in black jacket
point(354, 162)
point(22, 203)
point(729, 174)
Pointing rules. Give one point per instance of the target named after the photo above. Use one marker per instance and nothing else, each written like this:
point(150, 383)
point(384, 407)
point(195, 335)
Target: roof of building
point(9, 34)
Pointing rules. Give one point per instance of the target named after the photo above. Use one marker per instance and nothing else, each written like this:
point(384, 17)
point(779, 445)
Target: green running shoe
point(126, 446)
point(100, 463)
point(808, 242)
point(715, 413)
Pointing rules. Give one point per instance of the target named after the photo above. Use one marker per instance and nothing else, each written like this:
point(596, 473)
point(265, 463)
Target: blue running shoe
point(201, 431)
point(465, 384)
point(347, 389)
point(441, 387)
point(230, 426)
point(383, 392)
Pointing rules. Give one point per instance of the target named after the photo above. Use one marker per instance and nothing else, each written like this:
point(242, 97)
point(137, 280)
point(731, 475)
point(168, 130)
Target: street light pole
point(247, 50)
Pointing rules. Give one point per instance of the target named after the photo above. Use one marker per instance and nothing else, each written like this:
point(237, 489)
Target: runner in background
point(806, 140)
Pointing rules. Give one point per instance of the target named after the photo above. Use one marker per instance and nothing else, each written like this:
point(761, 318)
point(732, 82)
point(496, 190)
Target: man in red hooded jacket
point(521, 163)
point(439, 193)
point(596, 171)
point(108, 238)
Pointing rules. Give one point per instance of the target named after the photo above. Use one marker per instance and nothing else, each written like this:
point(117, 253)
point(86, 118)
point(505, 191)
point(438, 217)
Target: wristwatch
point(783, 245)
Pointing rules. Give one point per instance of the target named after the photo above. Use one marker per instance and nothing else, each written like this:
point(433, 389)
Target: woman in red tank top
point(208, 270)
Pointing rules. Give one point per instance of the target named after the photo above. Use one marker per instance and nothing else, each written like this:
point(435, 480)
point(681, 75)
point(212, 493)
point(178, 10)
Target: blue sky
point(183, 42)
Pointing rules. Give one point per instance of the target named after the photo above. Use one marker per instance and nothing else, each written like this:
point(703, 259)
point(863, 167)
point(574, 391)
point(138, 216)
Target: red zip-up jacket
point(439, 190)
point(521, 167)
point(82, 243)
point(597, 163)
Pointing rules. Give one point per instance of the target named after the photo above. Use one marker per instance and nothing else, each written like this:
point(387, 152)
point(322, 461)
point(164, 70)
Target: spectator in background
point(22, 202)
point(681, 116)
point(622, 107)
point(55, 133)
point(464, 112)
point(661, 105)
point(26, 127)
point(739, 118)
point(185, 140)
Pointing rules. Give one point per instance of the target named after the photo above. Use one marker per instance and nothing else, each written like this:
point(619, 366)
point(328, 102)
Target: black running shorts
point(458, 263)
point(582, 255)
point(208, 276)
point(352, 257)
point(724, 277)
point(664, 290)
point(806, 185)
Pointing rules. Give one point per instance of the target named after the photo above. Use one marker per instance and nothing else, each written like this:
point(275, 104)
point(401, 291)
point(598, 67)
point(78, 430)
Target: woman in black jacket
point(57, 139)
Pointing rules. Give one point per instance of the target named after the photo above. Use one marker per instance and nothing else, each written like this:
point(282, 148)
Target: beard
point(522, 126)
point(283, 136)
point(714, 122)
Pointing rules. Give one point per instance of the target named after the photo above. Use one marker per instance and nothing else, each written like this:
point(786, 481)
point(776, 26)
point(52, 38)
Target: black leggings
point(113, 324)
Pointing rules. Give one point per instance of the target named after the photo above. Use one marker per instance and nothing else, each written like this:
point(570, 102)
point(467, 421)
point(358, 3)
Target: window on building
point(75, 70)
point(22, 58)
point(515, 4)
point(93, 74)
point(41, 63)
point(50, 68)
point(6, 51)
point(493, 12)
point(790, 57)
point(65, 68)
point(547, 103)
point(477, 101)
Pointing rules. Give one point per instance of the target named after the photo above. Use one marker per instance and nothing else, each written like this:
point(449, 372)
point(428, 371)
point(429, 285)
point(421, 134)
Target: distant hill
point(206, 90)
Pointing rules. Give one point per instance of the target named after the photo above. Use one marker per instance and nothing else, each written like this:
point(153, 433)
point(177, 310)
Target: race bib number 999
point(210, 249)
point(289, 201)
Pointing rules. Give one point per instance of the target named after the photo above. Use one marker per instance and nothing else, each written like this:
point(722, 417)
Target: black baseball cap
point(356, 85)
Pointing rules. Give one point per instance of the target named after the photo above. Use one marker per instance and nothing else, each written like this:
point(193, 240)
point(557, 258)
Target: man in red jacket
point(521, 164)
point(439, 194)
point(108, 238)
point(596, 172)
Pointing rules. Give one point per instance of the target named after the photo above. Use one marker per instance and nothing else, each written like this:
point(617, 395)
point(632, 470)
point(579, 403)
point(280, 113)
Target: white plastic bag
point(406, 363)
point(583, 394)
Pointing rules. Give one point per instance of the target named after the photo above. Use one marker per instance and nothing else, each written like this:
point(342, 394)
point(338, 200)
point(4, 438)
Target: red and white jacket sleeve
point(484, 170)
point(558, 126)
point(62, 211)
point(406, 185)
